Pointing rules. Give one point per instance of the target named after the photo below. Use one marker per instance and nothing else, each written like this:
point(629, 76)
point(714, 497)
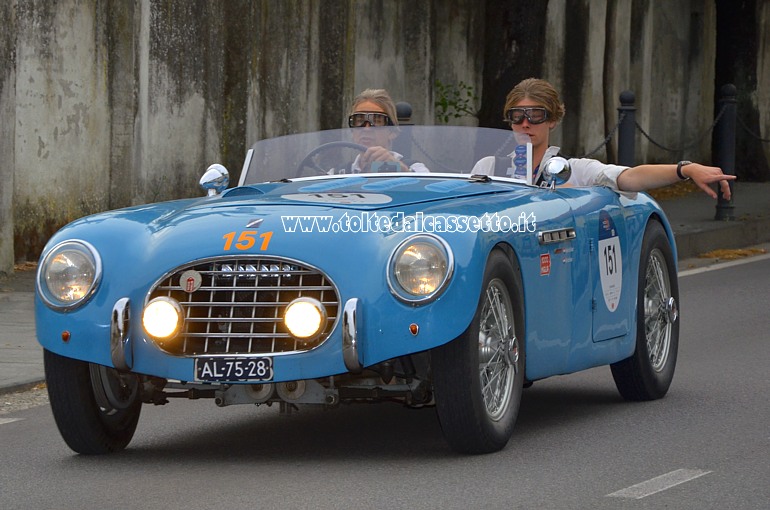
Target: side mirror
point(556, 171)
point(215, 180)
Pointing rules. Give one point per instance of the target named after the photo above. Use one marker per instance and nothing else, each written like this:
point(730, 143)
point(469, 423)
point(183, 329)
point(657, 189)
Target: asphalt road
point(577, 445)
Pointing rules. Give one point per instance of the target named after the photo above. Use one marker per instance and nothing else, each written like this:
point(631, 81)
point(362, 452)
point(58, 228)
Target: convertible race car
point(309, 285)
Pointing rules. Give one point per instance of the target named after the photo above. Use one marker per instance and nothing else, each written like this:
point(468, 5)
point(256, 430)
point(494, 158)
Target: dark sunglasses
point(535, 115)
point(374, 119)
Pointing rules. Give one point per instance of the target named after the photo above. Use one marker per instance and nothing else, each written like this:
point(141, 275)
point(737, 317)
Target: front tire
point(648, 373)
point(96, 408)
point(479, 376)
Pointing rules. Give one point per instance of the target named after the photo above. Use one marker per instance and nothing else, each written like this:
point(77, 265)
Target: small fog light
point(162, 317)
point(305, 318)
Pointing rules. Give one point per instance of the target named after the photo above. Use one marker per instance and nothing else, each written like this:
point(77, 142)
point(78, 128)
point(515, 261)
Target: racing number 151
point(246, 240)
point(610, 260)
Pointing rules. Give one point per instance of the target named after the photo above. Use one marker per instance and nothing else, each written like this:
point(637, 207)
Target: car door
point(608, 261)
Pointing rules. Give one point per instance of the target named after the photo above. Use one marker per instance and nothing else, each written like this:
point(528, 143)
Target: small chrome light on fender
point(305, 318)
point(162, 317)
point(215, 180)
point(420, 268)
point(69, 275)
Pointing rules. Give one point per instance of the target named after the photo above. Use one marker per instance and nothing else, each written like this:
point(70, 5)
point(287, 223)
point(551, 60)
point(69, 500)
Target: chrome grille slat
point(271, 304)
point(257, 289)
point(238, 306)
point(239, 335)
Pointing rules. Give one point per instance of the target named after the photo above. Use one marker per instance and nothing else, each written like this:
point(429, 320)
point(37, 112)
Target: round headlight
point(420, 268)
point(162, 317)
point(305, 318)
point(69, 274)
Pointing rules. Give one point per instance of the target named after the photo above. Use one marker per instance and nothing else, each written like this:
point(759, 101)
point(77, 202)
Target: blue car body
point(578, 252)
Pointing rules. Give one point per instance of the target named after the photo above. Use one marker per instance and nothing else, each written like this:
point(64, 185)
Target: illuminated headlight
point(305, 318)
point(69, 274)
point(162, 317)
point(420, 269)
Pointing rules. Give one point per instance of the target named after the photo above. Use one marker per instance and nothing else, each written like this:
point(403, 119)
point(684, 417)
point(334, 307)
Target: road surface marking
point(3, 421)
point(659, 484)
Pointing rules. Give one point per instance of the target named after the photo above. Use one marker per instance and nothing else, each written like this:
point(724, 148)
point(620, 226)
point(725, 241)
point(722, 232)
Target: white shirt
point(356, 168)
point(585, 171)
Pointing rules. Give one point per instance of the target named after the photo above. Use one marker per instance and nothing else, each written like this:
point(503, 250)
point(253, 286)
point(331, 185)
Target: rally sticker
point(340, 198)
point(545, 264)
point(610, 261)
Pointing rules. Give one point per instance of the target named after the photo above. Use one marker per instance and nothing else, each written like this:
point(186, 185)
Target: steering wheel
point(309, 163)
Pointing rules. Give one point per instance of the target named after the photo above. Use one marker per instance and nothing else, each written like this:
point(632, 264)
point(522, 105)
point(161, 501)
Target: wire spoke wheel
point(658, 320)
point(648, 372)
point(112, 391)
point(479, 376)
point(96, 408)
point(498, 350)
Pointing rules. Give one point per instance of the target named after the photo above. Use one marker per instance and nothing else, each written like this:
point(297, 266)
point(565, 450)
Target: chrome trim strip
point(350, 347)
point(120, 340)
point(246, 163)
point(556, 236)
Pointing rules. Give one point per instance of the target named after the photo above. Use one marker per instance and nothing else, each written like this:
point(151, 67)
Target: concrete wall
point(7, 124)
point(109, 103)
point(662, 51)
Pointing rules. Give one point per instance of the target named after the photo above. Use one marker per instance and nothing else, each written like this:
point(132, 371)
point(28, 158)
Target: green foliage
point(454, 101)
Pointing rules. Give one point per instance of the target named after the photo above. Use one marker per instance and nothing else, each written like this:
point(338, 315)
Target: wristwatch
point(679, 170)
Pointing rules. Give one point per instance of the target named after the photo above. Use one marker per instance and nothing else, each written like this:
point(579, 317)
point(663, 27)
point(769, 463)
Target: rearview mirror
point(556, 171)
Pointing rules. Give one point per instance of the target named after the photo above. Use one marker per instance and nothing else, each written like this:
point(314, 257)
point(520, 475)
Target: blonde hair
point(381, 98)
point(539, 91)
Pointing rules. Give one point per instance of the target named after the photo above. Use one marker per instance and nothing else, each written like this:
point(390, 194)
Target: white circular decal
point(610, 261)
point(190, 281)
point(340, 198)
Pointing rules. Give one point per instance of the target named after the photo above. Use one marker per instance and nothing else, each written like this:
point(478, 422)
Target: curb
point(21, 386)
point(728, 235)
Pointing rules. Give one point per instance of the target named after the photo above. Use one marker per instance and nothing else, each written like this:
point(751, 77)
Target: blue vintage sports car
point(310, 285)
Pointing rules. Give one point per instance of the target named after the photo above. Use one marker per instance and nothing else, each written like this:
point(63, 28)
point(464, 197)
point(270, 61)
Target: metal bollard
point(626, 129)
point(724, 148)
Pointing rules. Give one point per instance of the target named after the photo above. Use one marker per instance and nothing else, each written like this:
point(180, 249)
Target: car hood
point(365, 192)
point(200, 227)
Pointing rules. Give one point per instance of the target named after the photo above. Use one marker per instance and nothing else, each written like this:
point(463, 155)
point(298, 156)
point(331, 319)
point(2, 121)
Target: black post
point(626, 129)
point(724, 144)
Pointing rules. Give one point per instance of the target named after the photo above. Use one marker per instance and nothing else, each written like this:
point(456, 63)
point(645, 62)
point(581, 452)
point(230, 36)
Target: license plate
point(233, 369)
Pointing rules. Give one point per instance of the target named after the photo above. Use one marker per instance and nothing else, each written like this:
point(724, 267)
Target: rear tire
point(478, 377)
point(96, 408)
point(648, 373)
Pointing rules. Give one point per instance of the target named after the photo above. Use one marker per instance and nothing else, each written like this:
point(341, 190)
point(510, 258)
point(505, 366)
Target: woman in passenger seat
point(533, 107)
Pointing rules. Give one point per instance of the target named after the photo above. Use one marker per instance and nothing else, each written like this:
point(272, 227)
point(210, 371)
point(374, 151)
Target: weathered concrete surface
point(62, 119)
point(7, 124)
point(108, 103)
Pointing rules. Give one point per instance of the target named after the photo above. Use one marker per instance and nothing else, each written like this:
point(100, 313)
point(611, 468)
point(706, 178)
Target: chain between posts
point(751, 133)
point(685, 147)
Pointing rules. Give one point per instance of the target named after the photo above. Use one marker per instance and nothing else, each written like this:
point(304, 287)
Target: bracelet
point(679, 170)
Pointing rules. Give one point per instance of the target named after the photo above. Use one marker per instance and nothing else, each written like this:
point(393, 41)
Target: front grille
point(236, 306)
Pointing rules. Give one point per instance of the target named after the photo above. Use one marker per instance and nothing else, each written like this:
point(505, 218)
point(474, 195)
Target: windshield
point(441, 149)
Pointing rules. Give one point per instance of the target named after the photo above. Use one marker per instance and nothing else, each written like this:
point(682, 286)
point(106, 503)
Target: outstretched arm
point(644, 177)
